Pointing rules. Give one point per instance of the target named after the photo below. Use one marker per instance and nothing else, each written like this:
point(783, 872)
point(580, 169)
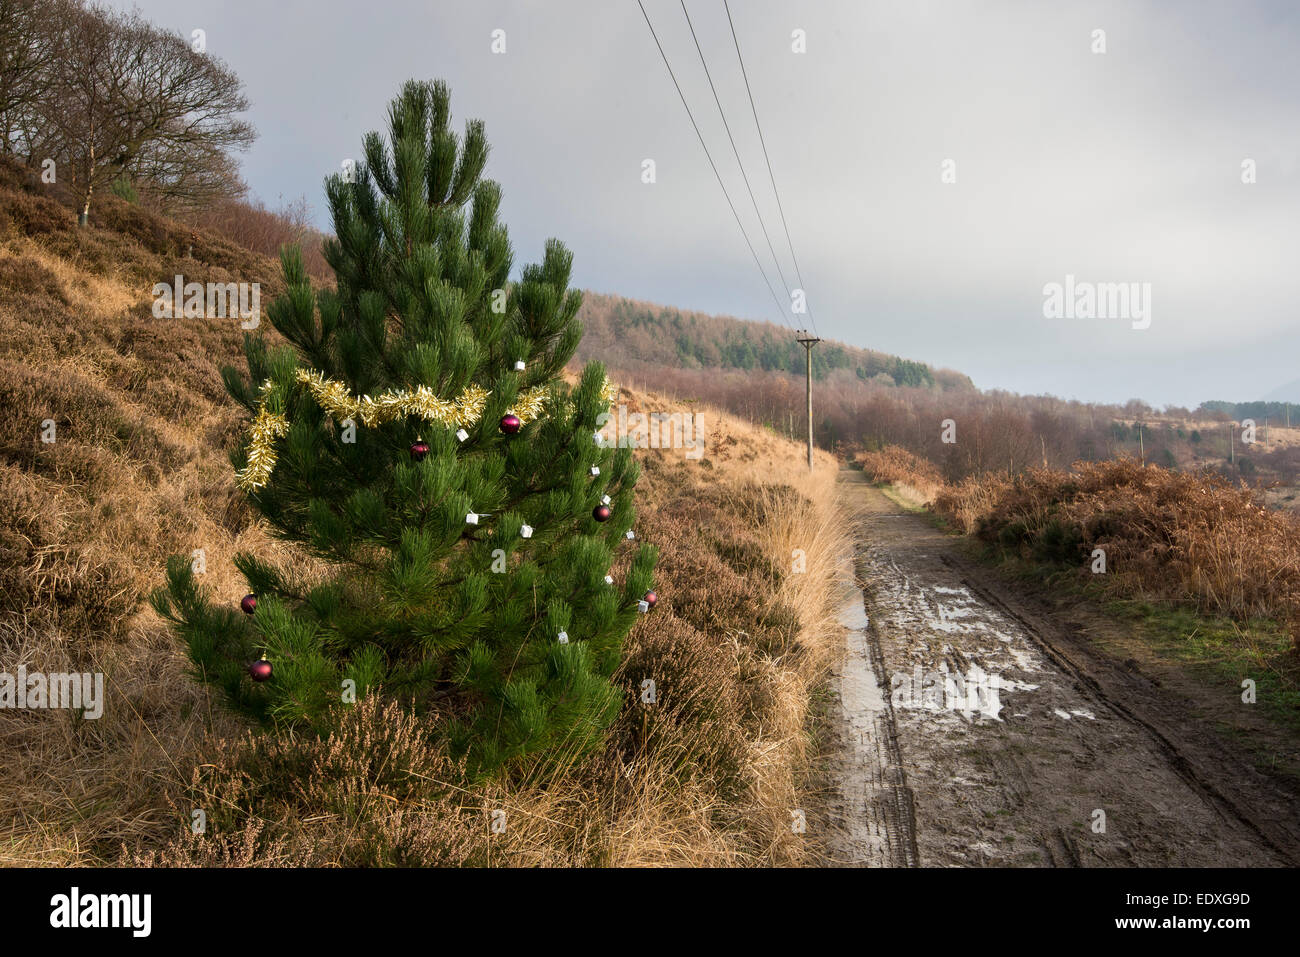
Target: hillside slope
point(634, 335)
point(138, 471)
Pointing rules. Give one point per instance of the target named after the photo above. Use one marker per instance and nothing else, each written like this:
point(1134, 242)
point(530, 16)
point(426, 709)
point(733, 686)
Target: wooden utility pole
point(805, 339)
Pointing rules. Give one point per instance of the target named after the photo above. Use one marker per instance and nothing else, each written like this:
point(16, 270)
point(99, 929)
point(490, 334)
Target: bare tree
point(176, 120)
point(119, 97)
point(73, 119)
point(25, 58)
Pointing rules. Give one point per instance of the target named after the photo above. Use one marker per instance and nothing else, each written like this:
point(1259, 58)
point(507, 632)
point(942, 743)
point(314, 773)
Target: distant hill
point(639, 336)
point(1289, 392)
point(1262, 411)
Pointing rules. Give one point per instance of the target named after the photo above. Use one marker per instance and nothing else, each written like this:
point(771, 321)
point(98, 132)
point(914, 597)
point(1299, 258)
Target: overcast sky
point(1117, 167)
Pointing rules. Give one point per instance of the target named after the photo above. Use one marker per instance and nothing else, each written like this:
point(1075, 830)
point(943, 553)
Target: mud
point(975, 730)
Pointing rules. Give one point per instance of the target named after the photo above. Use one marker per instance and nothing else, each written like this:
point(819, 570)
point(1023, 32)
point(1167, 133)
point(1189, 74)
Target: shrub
point(1192, 539)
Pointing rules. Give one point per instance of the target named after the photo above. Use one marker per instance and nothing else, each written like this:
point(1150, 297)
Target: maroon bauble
point(260, 670)
point(510, 424)
point(419, 450)
point(650, 598)
point(601, 513)
point(249, 604)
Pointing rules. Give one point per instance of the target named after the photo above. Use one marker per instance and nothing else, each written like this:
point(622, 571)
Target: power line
point(768, 160)
point(714, 166)
point(743, 175)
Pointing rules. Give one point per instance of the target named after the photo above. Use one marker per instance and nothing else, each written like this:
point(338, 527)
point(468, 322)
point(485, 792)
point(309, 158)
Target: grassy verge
point(739, 644)
point(903, 496)
point(1224, 652)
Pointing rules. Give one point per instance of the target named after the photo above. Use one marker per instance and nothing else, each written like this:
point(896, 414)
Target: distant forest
point(1277, 413)
point(628, 334)
point(864, 399)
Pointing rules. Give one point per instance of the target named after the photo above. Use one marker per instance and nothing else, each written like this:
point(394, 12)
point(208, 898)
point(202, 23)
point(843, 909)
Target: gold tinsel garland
point(335, 399)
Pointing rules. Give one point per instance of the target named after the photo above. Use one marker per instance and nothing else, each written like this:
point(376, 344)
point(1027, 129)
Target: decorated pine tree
point(418, 439)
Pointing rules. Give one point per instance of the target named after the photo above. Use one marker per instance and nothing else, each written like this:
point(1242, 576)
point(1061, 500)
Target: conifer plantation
point(416, 436)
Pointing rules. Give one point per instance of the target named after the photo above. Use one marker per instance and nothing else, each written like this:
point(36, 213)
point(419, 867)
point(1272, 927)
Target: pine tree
point(466, 563)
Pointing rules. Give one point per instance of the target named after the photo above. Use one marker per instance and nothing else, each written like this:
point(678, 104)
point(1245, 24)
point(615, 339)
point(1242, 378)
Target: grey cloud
point(1118, 167)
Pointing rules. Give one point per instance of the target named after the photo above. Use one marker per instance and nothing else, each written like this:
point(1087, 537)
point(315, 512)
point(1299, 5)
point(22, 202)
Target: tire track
point(993, 736)
point(876, 819)
point(896, 798)
point(1227, 806)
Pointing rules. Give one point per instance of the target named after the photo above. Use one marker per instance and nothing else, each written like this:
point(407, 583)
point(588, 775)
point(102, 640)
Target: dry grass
point(966, 503)
point(913, 476)
point(1190, 539)
point(737, 645)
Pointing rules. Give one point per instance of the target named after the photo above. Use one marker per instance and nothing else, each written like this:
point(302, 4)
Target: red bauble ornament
point(601, 513)
point(260, 670)
point(249, 604)
point(419, 450)
point(510, 424)
point(650, 598)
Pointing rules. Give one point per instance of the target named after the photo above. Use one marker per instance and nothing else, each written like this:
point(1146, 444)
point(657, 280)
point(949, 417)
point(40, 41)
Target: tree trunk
point(84, 218)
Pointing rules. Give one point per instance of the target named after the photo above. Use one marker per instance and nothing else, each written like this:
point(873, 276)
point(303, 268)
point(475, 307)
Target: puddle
point(860, 692)
point(862, 834)
point(853, 614)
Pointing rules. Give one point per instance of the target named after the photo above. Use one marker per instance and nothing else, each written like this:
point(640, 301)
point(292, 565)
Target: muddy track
point(1201, 759)
point(979, 730)
point(873, 807)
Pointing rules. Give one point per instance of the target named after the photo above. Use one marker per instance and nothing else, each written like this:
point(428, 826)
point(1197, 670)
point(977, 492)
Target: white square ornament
point(462, 434)
point(519, 365)
point(562, 637)
point(526, 531)
point(472, 518)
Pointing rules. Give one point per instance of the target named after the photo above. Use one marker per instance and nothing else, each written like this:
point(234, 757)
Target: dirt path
point(977, 731)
